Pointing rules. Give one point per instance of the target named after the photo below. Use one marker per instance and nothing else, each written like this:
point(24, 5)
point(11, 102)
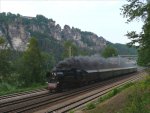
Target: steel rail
point(51, 98)
point(21, 93)
point(90, 98)
point(65, 106)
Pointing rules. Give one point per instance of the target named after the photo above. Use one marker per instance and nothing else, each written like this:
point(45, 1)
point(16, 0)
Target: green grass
point(6, 88)
point(139, 100)
point(90, 105)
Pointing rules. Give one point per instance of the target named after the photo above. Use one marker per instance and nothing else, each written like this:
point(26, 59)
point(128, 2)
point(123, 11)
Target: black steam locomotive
point(61, 79)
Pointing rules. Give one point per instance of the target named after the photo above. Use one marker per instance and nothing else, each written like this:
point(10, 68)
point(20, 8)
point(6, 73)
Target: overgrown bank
point(135, 99)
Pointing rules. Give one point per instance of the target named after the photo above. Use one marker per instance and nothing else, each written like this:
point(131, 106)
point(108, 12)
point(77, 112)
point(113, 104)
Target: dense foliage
point(70, 49)
point(32, 69)
point(23, 69)
point(124, 49)
point(5, 64)
point(109, 51)
point(137, 9)
point(49, 44)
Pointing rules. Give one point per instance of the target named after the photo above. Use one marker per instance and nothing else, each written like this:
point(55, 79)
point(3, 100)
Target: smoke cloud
point(93, 62)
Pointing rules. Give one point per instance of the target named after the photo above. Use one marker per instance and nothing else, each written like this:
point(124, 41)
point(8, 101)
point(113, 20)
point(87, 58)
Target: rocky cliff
point(18, 29)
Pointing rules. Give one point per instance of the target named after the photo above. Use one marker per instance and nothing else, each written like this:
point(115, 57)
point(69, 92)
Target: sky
point(101, 17)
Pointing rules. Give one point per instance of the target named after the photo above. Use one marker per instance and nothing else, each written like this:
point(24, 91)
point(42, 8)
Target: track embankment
point(65, 101)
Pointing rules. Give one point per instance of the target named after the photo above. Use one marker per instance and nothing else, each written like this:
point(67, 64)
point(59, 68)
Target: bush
point(13, 79)
point(114, 91)
point(91, 105)
point(101, 99)
point(6, 87)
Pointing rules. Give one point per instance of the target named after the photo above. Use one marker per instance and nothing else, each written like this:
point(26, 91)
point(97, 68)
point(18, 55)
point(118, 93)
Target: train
point(61, 79)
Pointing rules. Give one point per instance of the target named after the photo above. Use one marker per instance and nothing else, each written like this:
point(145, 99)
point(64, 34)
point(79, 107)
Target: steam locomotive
point(61, 79)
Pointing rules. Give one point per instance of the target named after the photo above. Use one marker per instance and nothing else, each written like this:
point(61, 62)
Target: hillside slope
point(17, 30)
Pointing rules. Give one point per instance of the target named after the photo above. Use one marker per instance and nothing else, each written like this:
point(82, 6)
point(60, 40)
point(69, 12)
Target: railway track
point(83, 100)
point(21, 97)
point(21, 93)
point(42, 101)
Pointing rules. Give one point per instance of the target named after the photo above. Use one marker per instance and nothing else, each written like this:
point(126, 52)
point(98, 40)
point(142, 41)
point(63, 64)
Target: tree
point(137, 9)
point(5, 66)
point(109, 51)
point(69, 49)
point(49, 61)
point(32, 64)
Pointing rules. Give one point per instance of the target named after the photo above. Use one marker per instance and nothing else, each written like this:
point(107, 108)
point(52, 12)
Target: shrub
point(91, 105)
point(114, 91)
point(101, 99)
point(6, 87)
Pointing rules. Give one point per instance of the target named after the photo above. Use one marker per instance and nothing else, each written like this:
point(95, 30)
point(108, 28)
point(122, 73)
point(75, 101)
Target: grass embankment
point(9, 89)
point(134, 99)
